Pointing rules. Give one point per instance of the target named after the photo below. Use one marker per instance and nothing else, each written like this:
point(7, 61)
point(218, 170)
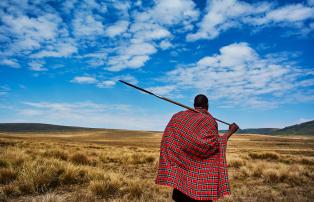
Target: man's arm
point(232, 129)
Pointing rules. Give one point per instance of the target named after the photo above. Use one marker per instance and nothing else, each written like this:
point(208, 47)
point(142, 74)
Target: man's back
point(192, 156)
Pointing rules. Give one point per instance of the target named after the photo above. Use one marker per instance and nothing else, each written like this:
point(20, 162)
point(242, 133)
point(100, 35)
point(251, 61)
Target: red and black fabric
point(192, 156)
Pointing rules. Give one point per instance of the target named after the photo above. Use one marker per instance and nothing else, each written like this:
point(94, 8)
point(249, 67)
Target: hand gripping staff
point(167, 99)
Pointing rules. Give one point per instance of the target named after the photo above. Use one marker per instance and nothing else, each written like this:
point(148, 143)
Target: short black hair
point(201, 101)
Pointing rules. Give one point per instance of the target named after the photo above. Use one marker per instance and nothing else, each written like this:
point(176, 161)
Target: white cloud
point(306, 83)
point(117, 28)
point(30, 33)
point(10, 62)
point(146, 31)
point(222, 15)
point(106, 84)
point(162, 90)
point(84, 80)
point(139, 49)
point(30, 112)
point(58, 50)
point(132, 56)
point(236, 54)
point(91, 114)
point(85, 24)
point(289, 13)
point(165, 45)
point(178, 11)
point(37, 66)
point(150, 30)
point(127, 77)
point(239, 76)
point(226, 14)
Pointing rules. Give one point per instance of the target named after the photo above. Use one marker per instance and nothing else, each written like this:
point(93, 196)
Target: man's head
point(201, 101)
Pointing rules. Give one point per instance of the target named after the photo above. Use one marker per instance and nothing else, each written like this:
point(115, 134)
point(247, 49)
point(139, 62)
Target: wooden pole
point(167, 99)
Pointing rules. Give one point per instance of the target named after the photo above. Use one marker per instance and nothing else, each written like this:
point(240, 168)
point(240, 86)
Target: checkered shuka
point(193, 156)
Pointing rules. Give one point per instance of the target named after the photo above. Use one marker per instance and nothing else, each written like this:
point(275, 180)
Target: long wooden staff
point(167, 99)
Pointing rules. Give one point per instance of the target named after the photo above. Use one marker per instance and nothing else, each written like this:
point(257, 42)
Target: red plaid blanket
point(192, 156)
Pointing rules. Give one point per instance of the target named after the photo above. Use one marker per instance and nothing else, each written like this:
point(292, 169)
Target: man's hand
point(232, 129)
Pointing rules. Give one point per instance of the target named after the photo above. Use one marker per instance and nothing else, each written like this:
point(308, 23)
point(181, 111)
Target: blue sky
point(60, 61)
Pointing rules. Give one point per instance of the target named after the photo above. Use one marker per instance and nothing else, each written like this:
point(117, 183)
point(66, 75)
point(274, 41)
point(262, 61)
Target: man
point(192, 155)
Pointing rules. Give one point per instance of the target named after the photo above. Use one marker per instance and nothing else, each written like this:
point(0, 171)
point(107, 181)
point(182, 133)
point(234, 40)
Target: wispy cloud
point(226, 14)
point(91, 114)
point(84, 80)
point(103, 82)
point(4, 90)
point(239, 75)
point(10, 62)
point(37, 66)
point(123, 35)
point(149, 27)
point(162, 90)
point(85, 24)
point(117, 28)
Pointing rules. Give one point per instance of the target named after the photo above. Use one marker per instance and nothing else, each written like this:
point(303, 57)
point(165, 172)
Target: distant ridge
point(266, 131)
point(306, 128)
point(37, 127)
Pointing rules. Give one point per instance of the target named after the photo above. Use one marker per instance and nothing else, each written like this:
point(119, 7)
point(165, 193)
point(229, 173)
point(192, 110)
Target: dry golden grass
point(121, 166)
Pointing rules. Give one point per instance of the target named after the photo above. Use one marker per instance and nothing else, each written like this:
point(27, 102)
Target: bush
point(243, 173)
point(39, 176)
point(7, 175)
point(307, 161)
point(265, 155)
point(58, 154)
point(4, 163)
point(79, 158)
point(271, 175)
point(73, 175)
point(107, 187)
point(236, 163)
point(10, 190)
point(49, 197)
point(138, 158)
point(134, 189)
point(257, 171)
point(14, 157)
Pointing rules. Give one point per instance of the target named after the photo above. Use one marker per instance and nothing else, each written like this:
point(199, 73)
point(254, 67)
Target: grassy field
point(113, 165)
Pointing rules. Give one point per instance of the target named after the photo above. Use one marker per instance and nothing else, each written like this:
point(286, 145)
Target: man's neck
point(201, 109)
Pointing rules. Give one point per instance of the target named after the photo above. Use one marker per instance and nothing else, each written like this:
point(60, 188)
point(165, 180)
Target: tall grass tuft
point(135, 189)
point(7, 175)
point(39, 176)
point(264, 155)
point(10, 190)
point(237, 163)
point(58, 154)
point(14, 156)
point(73, 174)
point(80, 159)
point(49, 197)
point(4, 163)
point(107, 187)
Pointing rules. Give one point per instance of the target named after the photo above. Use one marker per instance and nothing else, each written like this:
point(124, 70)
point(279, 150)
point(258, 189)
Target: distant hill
point(306, 128)
point(36, 127)
point(266, 131)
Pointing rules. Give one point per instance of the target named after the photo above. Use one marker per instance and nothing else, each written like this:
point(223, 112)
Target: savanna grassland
point(114, 165)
